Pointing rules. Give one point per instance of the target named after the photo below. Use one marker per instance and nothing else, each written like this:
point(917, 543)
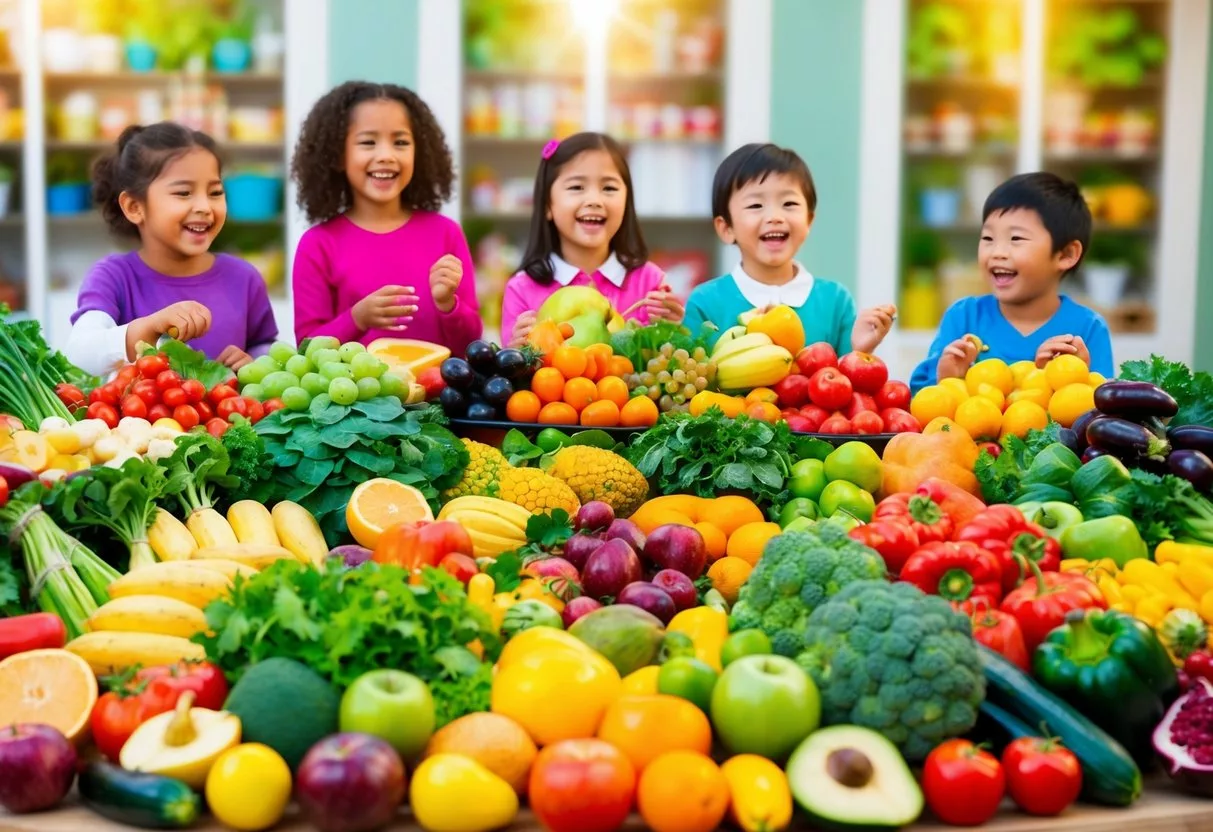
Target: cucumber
point(1109, 775)
point(998, 726)
point(136, 798)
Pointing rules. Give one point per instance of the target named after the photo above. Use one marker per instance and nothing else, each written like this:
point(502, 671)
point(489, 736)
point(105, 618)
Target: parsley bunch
point(1192, 391)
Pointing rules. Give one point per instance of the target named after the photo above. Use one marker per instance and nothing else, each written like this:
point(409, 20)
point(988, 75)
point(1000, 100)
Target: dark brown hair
point(318, 165)
point(1058, 202)
point(137, 159)
point(544, 240)
point(754, 163)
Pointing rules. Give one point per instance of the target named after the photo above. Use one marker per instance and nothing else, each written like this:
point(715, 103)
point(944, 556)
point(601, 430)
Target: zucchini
point(1109, 775)
point(136, 798)
point(998, 726)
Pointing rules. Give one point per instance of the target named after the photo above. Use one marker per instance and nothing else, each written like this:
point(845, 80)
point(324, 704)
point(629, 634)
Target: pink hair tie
point(549, 149)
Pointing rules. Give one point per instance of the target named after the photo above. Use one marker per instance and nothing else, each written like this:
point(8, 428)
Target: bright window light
point(592, 15)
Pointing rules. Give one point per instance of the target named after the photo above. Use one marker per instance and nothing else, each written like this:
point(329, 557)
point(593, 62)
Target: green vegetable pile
point(891, 658)
point(343, 623)
point(1167, 508)
point(797, 573)
point(189, 363)
point(640, 343)
point(29, 372)
point(1005, 478)
point(1192, 391)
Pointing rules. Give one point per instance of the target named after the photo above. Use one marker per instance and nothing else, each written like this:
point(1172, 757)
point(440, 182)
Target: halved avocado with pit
point(852, 778)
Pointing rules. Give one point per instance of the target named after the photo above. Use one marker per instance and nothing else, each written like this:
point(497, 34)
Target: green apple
point(392, 705)
point(690, 678)
point(765, 705)
point(854, 462)
point(845, 519)
point(807, 479)
point(585, 308)
point(752, 642)
point(799, 507)
point(849, 496)
point(800, 524)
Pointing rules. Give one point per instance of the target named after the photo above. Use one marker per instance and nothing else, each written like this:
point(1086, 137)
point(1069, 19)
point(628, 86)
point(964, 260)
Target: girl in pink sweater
point(584, 232)
point(373, 169)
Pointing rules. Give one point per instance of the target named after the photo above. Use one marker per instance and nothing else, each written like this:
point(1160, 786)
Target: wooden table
point(1162, 809)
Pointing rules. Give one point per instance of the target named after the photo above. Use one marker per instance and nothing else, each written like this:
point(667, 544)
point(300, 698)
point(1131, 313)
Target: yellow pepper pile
point(481, 593)
point(1179, 577)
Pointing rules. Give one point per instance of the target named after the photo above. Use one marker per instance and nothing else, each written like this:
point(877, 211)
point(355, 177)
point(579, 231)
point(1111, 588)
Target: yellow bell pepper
point(642, 682)
point(1153, 609)
point(1122, 606)
point(537, 590)
point(781, 324)
point(1110, 589)
point(1195, 577)
point(480, 592)
point(1170, 567)
point(1150, 575)
point(1170, 551)
point(1079, 565)
point(1133, 594)
point(1206, 607)
point(707, 628)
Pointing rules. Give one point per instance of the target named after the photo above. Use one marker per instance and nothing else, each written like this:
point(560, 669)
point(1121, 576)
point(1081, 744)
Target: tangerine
point(682, 791)
point(548, 384)
point(639, 412)
point(603, 413)
point(579, 392)
point(569, 360)
point(523, 406)
point(557, 413)
point(613, 389)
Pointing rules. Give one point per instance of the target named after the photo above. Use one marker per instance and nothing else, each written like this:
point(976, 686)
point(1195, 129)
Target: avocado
point(852, 778)
point(285, 705)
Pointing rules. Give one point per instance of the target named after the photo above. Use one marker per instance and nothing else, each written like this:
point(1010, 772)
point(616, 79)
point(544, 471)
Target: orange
point(761, 394)
point(53, 687)
point(713, 539)
point(1064, 370)
point(989, 391)
point(379, 503)
point(1020, 370)
point(548, 384)
point(613, 388)
point(1095, 379)
point(728, 574)
point(1037, 395)
point(600, 414)
point(763, 412)
point(579, 392)
point(523, 406)
point(992, 371)
point(955, 386)
point(494, 740)
point(682, 791)
point(730, 512)
point(600, 355)
point(565, 329)
point(748, 541)
point(940, 423)
point(1071, 401)
point(1036, 380)
point(927, 404)
point(639, 412)
point(980, 417)
point(557, 413)
point(569, 360)
point(1023, 416)
point(591, 368)
point(645, 727)
point(620, 365)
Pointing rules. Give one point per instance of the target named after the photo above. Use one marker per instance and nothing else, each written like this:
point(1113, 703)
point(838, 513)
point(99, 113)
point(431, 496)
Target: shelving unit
point(14, 265)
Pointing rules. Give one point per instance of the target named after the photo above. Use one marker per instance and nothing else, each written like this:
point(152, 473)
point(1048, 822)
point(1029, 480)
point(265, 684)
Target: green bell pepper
point(1114, 537)
point(1054, 517)
point(529, 613)
point(1112, 668)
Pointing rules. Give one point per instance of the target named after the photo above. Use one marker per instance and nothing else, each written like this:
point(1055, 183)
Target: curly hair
point(136, 161)
point(318, 165)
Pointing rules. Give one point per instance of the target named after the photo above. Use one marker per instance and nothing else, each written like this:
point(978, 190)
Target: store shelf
point(968, 82)
point(102, 145)
point(10, 145)
point(144, 78)
point(993, 153)
point(1092, 156)
point(12, 221)
point(677, 76)
point(519, 76)
point(92, 219)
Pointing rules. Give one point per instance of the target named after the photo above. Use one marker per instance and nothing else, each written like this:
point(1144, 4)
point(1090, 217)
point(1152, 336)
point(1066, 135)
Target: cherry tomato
point(216, 427)
point(134, 406)
point(105, 412)
point(220, 392)
point(127, 376)
point(1043, 777)
point(205, 411)
point(148, 391)
point(94, 395)
point(194, 389)
point(158, 411)
point(174, 396)
point(167, 379)
point(459, 565)
point(150, 366)
point(70, 395)
point(256, 411)
point(111, 393)
point(186, 416)
point(235, 404)
point(962, 784)
point(272, 405)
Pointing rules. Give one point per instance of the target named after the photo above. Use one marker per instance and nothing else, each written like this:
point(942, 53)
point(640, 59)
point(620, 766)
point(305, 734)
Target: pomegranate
point(1184, 739)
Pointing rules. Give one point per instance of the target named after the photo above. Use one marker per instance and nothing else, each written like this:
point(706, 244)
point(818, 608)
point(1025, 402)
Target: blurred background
point(908, 112)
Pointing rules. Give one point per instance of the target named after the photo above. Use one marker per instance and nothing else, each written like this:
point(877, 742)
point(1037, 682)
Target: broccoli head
point(797, 573)
point(891, 658)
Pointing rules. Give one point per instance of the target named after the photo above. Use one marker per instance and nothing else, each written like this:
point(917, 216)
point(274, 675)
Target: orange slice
point(379, 503)
point(54, 687)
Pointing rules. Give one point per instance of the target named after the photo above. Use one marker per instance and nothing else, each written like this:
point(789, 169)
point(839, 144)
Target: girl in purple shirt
point(373, 170)
point(584, 232)
point(162, 185)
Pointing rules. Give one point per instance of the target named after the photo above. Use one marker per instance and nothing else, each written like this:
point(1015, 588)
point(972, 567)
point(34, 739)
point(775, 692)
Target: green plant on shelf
point(67, 169)
point(939, 40)
point(1108, 47)
point(7, 174)
point(924, 250)
point(1111, 248)
point(936, 174)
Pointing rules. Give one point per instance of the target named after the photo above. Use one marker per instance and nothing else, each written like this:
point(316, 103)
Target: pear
point(453, 792)
point(574, 301)
point(588, 329)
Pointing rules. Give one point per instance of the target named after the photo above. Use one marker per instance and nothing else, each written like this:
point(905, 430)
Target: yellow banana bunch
point(750, 361)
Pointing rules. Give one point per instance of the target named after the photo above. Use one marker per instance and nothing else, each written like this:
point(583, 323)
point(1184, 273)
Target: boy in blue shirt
point(764, 201)
point(1035, 231)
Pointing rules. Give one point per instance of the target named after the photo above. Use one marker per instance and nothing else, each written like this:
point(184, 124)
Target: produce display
point(360, 596)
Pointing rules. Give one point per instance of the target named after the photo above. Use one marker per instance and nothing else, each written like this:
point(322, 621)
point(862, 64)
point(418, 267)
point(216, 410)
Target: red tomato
point(273, 405)
point(867, 422)
point(255, 410)
point(421, 543)
point(962, 784)
point(205, 411)
point(231, 405)
point(118, 713)
point(216, 427)
point(105, 412)
point(203, 678)
point(582, 786)
point(35, 631)
point(127, 376)
point(158, 411)
point(897, 420)
point(167, 379)
point(134, 406)
point(111, 393)
point(1043, 777)
point(459, 565)
point(893, 394)
point(174, 397)
point(3, 492)
point(70, 395)
point(186, 416)
point(94, 395)
point(148, 391)
point(220, 392)
point(837, 424)
point(150, 366)
point(194, 389)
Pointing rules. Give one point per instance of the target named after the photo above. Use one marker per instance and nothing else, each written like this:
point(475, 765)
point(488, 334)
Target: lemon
point(989, 391)
point(1023, 416)
point(642, 681)
point(1038, 395)
point(1095, 379)
point(955, 386)
point(248, 787)
point(992, 371)
point(980, 417)
point(931, 402)
point(1063, 370)
point(1036, 380)
point(943, 424)
point(1070, 402)
point(1020, 370)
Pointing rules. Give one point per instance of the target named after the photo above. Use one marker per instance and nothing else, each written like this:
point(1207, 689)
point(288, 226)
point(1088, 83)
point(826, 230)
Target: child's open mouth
point(383, 178)
point(773, 239)
point(1003, 277)
point(198, 230)
point(592, 222)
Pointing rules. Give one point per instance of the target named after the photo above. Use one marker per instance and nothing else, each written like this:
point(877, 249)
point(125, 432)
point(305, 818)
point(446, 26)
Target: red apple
point(793, 391)
point(558, 574)
point(893, 394)
point(678, 586)
point(37, 767)
point(579, 547)
point(350, 782)
point(579, 606)
point(815, 414)
point(860, 403)
point(897, 420)
point(830, 389)
point(815, 357)
point(677, 547)
point(837, 424)
point(799, 424)
point(593, 516)
point(431, 379)
point(993, 448)
point(866, 372)
point(868, 422)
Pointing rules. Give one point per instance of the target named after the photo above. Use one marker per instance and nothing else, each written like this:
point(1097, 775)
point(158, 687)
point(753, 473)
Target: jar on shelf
point(703, 122)
point(508, 98)
point(78, 117)
point(116, 114)
point(62, 50)
point(480, 115)
point(103, 54)
point(954, 127)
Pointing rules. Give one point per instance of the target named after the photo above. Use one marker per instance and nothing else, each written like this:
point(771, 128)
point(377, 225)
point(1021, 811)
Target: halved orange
point(53, 687)
point(379, 503)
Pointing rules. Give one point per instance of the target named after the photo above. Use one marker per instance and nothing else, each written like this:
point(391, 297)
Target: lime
point(807, 478)
point(550, 439)
point(690, 678)
point(343, 391)
point(854, 462)
point(798, 507)
point(842, 494)
point(752, 642)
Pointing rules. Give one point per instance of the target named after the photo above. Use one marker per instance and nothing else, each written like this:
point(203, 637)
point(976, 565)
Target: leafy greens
point(1001, 477)
point(1192, 391)
point(189, 362)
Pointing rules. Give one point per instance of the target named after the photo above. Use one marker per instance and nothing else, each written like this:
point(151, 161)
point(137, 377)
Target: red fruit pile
point(851, 395)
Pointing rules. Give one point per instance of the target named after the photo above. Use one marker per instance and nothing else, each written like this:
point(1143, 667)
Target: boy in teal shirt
point(764, 202)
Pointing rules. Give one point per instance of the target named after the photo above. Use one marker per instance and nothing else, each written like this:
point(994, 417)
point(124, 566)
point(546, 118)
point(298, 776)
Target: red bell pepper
point(205, 679)
point(421, 543)
point(1014, 539)
point(35, 631)
point(893, 540)
point(1002, 634)
point(926, 517)
point(957, 503)
point(956, 571)
point(1040, 604)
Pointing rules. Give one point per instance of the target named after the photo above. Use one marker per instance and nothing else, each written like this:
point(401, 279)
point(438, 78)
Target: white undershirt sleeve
point(97, 344)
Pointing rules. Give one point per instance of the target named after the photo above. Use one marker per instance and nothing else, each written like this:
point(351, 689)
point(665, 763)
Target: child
point(162, 186)
point(1035, 231)
point(373, 170)
point(764, 201)
point(584, 232)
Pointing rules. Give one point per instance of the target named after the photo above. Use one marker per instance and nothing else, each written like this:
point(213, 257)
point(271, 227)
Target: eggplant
point(1193, 466)
point(1070, 438)
point(1190, 438)
point(1093, 452)
point(1135, 400)
point(1080, 427)
point(1125, 438)
point(482, 412)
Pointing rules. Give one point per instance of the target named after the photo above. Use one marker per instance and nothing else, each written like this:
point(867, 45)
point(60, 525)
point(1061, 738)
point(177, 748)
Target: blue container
point(140, 56)
point(939, 207)
point(67, 199)
point(231, 55)
point(253, 197)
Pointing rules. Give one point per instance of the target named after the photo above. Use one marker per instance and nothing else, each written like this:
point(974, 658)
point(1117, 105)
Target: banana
point(223, 566)
point(251, 522)
point(731, 334)
point(487, 523)
point(169, 538)
point(760, 366)
point(108, 653)
point(256, 555)
point(209, 528)
point(148, 614)
point(515, 514)
point(299, 532)
point(745, 343)
point(485, 545)
point(174, 580)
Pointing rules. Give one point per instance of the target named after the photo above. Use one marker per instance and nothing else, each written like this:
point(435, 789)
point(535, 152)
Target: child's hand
point(523, 325)
point(871, 326)
point(1062, 345)
point(956, 359)
point(662, 304)
point(234, 358)
point(184, 321)
point(445, 276)
point(391, 307)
